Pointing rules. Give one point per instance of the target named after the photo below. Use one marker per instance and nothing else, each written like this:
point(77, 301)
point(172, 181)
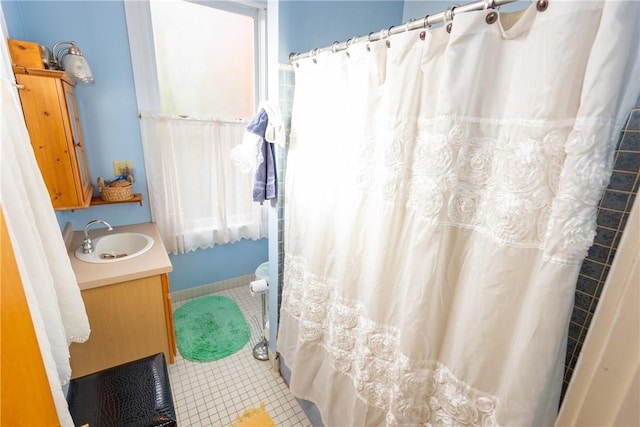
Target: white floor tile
point(215, 393)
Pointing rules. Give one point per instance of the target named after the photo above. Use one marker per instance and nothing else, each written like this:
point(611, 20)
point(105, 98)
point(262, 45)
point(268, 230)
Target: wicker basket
point(117, 191)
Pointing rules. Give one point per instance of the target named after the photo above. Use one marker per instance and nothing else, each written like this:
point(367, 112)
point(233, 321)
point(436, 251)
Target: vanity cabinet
point(129, 320)
point(51, 115)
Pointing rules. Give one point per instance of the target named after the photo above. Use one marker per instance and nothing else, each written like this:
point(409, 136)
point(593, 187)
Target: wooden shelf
point(137, 197)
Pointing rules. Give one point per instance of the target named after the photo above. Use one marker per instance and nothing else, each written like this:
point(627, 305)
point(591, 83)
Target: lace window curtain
point(441, 195)
point(197, 197)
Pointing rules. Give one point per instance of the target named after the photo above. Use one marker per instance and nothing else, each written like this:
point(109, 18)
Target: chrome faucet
point(87, 244)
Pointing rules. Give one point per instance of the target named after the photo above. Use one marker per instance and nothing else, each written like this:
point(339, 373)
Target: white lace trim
point(412, 392)
point(524, 184)
point(248, 155)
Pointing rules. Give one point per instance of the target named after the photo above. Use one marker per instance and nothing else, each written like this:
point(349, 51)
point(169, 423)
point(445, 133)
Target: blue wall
point(109, 120)
point(306, 25)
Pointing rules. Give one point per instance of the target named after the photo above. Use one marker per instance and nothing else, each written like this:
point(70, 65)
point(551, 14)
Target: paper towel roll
point(258, 286)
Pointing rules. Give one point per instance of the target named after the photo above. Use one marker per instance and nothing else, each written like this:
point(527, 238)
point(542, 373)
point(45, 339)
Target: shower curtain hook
point(368, 47)
point(334, 46)
point(448, 17)
point(348, 43)
point(388, 42)
point(426, 24)
point(492, 16)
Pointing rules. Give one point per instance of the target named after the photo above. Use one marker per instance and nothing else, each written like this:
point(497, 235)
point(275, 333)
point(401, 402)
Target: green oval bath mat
point(210, 328)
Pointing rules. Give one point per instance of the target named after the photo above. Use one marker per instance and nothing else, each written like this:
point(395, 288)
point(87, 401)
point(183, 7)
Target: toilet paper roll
point(258, 286)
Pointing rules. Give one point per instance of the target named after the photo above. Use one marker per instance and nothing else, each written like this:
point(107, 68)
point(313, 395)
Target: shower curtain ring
point(489, 4)
point(425, 23)
point(388, 34)
point(334, 46)
point(408, 24)
point(448, 14)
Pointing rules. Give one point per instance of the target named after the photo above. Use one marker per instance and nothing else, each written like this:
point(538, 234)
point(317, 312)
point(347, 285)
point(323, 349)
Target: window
point(198, 75)
point(205, 60)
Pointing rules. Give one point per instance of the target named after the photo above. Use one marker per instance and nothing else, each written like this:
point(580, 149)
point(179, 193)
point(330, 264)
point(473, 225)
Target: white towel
point(275, 132)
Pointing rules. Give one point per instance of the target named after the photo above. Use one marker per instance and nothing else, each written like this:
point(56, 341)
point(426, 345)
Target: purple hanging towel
point(264, 185)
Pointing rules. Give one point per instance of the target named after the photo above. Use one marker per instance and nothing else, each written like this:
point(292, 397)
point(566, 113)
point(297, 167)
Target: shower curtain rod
point(413, 24)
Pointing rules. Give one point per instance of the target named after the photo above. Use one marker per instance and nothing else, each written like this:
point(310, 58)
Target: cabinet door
point(44, 104)
point(128, 321)
point(78, 156)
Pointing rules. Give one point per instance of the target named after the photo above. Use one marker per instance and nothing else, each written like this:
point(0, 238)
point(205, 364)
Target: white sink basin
point(116, 247)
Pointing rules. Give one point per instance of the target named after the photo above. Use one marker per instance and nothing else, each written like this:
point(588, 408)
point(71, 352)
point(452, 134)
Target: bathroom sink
point(116, 247)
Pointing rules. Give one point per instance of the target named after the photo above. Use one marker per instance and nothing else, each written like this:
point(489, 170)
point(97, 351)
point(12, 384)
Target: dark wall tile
point(591, 269)
point(579, 316)
point(623, 221)
point(619, 141)
point(599, 253)
point(598, 291)
point(565, 386)
point(573, 361)
point(634, 120)
point(571, 345)
point(583, 301)
point(630, 141)
point(615, 200)
point(575, 330)
point(608, 218)
point(587, 285)
point(622, 181)
point(627, 161)
point(604, 236)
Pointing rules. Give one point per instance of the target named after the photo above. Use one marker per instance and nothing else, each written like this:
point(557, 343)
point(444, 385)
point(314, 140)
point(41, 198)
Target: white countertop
point(89, 275)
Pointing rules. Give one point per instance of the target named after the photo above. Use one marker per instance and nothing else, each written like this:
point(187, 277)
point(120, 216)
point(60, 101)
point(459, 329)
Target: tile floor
point(213, 394)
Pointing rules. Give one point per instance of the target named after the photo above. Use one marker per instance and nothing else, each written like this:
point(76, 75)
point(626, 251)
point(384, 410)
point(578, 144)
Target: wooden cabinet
point(128, 321)
point(51, 115)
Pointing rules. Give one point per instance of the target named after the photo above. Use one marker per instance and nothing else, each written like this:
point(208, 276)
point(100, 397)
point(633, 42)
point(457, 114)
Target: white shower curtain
point(440, 197)
point(55, 303)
